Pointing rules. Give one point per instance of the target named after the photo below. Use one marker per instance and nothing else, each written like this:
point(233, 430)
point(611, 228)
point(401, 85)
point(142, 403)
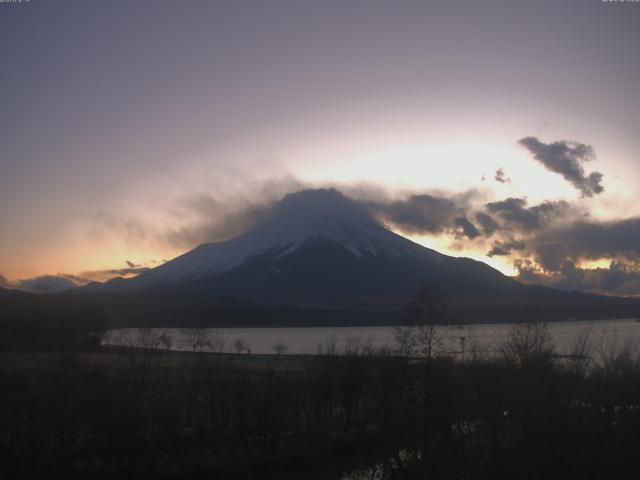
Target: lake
point(603, 335)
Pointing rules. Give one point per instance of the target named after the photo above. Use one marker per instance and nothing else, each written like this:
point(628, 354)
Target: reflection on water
point(600, 336)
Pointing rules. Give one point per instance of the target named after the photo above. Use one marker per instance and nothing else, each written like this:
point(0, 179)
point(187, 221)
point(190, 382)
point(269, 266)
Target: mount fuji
point(303, 220)
point(320, 258)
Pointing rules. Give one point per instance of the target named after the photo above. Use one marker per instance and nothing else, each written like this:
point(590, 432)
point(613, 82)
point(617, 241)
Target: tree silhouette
point(422, 324)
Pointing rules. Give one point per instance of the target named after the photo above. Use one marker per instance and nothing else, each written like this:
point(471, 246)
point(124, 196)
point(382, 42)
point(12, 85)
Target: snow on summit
point(297, 218)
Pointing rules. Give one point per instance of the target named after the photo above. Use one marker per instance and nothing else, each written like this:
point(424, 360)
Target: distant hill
point(323, 259)
point(49, 322)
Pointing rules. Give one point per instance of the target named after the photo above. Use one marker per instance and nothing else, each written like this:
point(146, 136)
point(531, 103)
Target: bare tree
point(527, 340)
point(328, 346)
point(580, 351)
point(367, 347)
point(423, 322)
point(615, 354)
point(471, 348)
point(217, 342)
point(405, 339)
point(353, 345)
point(165, 340)
point(196, 338)
point(421, 334)
point(239, 345)
point(279, 348)
point(148, 339)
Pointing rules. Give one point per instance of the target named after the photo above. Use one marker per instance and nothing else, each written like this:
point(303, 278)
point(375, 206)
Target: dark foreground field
point(134, 413)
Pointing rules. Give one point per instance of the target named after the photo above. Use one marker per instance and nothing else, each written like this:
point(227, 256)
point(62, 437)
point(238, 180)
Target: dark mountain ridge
point(31, 321)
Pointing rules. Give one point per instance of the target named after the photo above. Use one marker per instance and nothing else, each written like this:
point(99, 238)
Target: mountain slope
point(30, 321)
point(322, 253)
point(320, 248)
point(297, 219)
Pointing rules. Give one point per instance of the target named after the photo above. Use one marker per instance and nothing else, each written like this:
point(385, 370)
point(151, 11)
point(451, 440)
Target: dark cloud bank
point(546, 241)
point(619, 278)
point(558, 251)
point(427, 214)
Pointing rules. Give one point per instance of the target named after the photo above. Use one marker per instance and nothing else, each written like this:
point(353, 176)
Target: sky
point(132, 131)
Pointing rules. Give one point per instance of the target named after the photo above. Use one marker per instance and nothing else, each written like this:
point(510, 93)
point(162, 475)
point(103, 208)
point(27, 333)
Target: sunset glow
point(102, 167)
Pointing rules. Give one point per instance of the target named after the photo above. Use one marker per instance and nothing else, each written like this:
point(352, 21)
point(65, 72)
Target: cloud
point(549, 241)
point(429, 213)
point(419, 213)
point(216, 223)
point(506, 247)
point(206, 217)
point(200, 217)
point(571, 242)
point(43, 283)
point(211, 217)
point(554, 235)
point(512, 217)
point(619, 278)
point(501, 177)
point(510, 222)
point(65, 281)
point(555, 255)
point(108, 274)
point(487, 223)
point(565, 158)
point(517, 216)
point(130, 227)
point(464, 228)
point(46, 284)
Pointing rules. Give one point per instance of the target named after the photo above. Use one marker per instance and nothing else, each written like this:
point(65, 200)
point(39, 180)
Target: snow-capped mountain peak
point(296, 219)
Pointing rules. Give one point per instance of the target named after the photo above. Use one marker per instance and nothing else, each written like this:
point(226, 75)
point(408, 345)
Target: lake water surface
point(485, 338)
